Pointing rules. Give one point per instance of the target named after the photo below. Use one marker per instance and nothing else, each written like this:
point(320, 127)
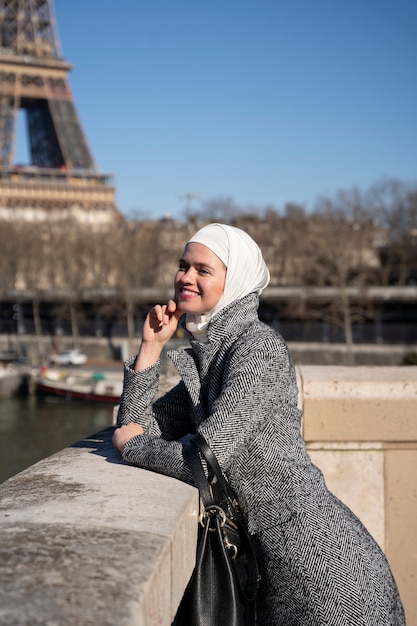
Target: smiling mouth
point(187, 293)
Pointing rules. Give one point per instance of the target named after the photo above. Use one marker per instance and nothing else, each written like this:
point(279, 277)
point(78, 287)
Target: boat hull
point(45, 390)
point(86, 387)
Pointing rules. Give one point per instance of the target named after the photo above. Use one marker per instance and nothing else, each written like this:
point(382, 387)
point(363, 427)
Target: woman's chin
point(188, 307)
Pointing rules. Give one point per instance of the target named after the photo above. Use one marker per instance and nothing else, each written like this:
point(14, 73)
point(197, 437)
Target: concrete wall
point(85, 539)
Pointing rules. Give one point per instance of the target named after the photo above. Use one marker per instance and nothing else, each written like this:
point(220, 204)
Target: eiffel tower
point(61, 173)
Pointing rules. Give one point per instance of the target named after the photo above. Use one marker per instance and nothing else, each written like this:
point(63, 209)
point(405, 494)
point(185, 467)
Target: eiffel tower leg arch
point(33, 77)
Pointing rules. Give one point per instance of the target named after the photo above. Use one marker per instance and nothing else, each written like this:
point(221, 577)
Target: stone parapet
point(360, 427)
point(86, 539)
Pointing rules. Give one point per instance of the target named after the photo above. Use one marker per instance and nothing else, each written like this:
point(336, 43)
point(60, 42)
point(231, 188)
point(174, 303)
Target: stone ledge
point(358, 382)
point(358, 403)
point(82, 541)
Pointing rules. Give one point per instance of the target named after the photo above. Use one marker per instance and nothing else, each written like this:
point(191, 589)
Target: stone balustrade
point(86, 539)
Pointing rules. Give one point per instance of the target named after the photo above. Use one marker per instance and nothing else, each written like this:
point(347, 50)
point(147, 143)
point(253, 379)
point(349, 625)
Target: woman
point(319, 565)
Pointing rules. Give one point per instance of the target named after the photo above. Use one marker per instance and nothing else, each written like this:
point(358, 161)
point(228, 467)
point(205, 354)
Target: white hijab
point(246, 269)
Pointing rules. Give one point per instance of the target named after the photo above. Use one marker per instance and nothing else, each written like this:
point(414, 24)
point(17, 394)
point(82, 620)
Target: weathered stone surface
point(359, 403)
point(71, 574)
point(86, 539)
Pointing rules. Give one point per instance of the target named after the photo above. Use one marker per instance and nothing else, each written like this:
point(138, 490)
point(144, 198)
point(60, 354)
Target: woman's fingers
point(165, 312)
point(158, 313)
point(174, 309)
point(161, 323)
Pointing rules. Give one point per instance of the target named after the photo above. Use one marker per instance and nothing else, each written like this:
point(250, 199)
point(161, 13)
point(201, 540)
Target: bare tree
point(12, 251)
point(221, 209)
point(33, 261)
point(136, 259)
point(394, 204)
point(70, 250)
point(341, 253)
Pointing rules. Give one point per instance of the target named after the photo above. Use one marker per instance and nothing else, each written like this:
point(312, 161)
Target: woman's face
point(199, 281)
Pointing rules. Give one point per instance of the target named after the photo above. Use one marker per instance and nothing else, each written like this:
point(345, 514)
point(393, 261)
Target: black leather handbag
point(223, 587)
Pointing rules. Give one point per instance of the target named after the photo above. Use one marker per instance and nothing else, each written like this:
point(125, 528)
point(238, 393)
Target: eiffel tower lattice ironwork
point(33, 77)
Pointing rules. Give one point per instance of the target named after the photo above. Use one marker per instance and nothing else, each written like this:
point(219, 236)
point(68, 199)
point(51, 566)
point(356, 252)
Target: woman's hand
point(160, 325)
point(124, 433)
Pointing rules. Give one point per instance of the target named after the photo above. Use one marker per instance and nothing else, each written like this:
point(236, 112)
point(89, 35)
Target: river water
point(32, 429)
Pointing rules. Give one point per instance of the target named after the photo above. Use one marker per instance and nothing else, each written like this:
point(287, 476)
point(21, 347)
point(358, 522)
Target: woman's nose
point(187, 276)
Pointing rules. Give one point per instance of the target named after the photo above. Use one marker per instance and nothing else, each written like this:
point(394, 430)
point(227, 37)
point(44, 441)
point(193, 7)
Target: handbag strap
point(192, 457)
point(200, 443)
point(193, 461)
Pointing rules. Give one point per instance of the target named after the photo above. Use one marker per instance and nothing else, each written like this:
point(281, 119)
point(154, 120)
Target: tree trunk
point(74, 324)
point(130, 324)
point(347, 325)
point(38, 327)
point(403, 272)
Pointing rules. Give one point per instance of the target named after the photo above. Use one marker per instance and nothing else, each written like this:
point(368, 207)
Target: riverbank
point(109, 356)
point(103, 351)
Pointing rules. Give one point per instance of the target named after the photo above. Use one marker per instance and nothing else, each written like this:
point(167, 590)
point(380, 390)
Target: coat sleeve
point(167, 417)
point(249, 396)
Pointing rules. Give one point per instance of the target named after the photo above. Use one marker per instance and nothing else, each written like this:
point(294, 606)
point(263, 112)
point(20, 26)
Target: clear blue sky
point(266, 101)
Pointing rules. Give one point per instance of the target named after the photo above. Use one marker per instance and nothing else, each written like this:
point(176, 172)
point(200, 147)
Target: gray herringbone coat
point(319, 565)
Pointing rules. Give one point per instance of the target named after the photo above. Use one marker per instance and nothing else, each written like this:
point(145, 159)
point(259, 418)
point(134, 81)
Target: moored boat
point(13, 381)
point(96, 387)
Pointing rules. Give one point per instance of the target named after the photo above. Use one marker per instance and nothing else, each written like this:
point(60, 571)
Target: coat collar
point(227, 323)
point(224, 328)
